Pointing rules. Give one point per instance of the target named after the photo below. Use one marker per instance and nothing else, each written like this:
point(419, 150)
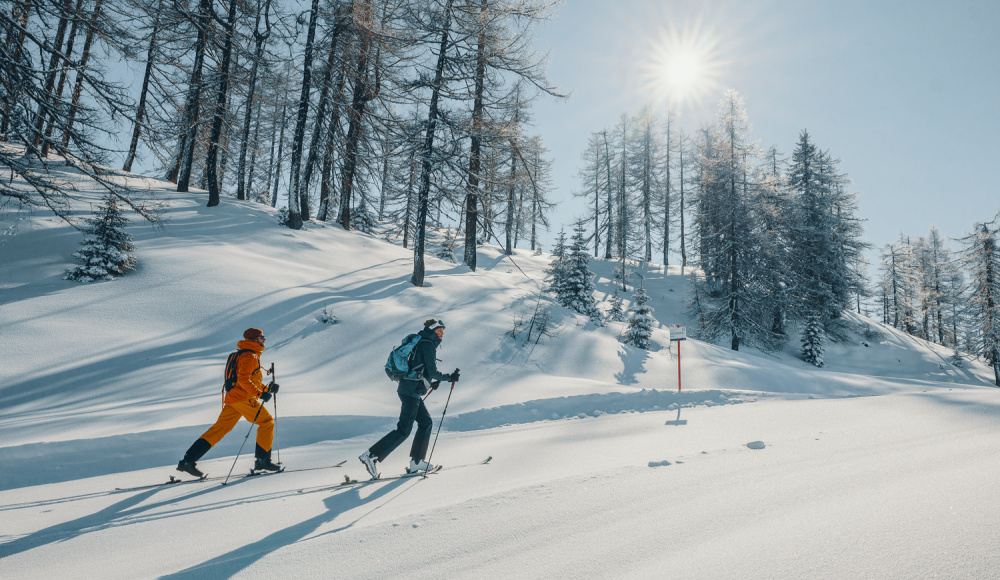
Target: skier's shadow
point(228, 565)
point(125, 509)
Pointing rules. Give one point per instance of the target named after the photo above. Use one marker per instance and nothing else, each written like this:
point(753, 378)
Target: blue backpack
point(398, 365)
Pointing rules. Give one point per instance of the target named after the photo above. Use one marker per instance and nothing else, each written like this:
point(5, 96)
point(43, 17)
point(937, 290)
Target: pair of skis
point(378, 479)
point(253, 473)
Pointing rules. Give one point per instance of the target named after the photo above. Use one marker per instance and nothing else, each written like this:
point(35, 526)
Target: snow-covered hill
point(879, 465)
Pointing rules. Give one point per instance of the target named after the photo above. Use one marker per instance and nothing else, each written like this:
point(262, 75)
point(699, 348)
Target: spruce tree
point(616, 313)
point(108, 252)
point(640, 323)
point(812, 339)
point(576, 288)
point(555, 275)
point(982, 257)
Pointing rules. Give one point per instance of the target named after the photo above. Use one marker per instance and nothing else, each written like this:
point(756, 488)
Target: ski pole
point(252, 423)
point(277, 448)
point(439, 426)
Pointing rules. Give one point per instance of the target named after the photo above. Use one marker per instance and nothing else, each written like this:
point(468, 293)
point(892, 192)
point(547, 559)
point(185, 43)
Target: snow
point(879, 465)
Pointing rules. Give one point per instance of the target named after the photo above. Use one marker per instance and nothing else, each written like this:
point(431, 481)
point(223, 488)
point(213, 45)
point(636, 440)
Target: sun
point(682, 71)
point(682, 67)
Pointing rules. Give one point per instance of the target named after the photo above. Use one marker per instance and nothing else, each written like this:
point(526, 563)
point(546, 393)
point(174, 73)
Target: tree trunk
point(295, 215)
point(409, 200)
point(428, 153)
point(607, 162)
point(221, 98)
point(78, 88)
point(362, 94)
point(45, 106)
point(63, 74)
point(194, 97)
point(259, 39)
point(140, 113)
point(666, 206)
point(339, 25)
point(680, 160)
point(281, 146)
point(475, 158)
point(16, 47)
point(253, 155)
point(328, 182)
point(511, 197)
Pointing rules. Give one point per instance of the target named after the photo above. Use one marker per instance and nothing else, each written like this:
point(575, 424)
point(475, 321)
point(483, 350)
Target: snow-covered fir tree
point(640, 322)
point(615, 313)
point(736, 296)
point(812, 340)
point(982, 258)
point(575, 289)
point(824, 238)
point(555, 275)
point(107, 250)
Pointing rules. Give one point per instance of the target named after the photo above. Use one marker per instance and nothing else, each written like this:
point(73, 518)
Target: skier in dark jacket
point(413, 409)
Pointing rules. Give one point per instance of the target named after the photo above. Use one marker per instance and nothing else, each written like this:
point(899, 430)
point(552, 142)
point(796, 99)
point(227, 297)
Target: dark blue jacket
point(425, 363)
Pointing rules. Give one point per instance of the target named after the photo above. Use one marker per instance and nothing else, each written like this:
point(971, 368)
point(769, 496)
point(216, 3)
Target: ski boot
point(418, 465)
point(369, 461)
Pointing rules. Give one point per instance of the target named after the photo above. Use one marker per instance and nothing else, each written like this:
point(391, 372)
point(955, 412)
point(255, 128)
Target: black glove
point(435, 385)
point(265, 396)
point(454, 376)
point(272, 387)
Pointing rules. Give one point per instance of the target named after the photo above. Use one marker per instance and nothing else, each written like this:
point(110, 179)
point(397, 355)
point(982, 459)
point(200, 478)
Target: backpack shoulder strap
point(231, 368)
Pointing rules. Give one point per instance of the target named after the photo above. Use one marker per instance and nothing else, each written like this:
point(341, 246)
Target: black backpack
point(230, 377)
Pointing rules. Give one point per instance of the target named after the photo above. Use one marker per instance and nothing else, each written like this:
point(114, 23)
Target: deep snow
point(879, 466)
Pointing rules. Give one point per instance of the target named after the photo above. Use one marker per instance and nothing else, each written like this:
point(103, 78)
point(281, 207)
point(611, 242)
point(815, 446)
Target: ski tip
point(488, 459)
point(341, 463)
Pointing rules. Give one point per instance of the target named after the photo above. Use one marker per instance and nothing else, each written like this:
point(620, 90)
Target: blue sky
point(905, 93)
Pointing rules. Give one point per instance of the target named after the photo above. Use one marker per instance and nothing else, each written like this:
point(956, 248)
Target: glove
point(272, 387)
point(454, 376)
point(435, 385)
point(265, 396)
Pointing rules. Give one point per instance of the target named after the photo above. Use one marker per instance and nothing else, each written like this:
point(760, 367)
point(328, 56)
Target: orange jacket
point(249, 379)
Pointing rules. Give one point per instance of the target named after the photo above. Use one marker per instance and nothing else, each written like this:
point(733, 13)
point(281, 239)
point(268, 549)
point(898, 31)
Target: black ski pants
point(413, 410)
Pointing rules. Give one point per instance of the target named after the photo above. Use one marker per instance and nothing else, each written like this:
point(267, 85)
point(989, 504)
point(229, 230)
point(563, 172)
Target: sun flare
point(682, 67)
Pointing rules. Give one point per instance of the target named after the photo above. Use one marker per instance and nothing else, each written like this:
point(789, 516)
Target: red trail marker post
point(678, 333)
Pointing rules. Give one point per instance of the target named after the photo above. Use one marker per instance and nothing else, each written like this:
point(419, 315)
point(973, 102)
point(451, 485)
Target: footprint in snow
point(658, 463)
point(756, 445)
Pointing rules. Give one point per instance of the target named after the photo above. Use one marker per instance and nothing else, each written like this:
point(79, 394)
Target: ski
point(174, 481)
point(402, 476)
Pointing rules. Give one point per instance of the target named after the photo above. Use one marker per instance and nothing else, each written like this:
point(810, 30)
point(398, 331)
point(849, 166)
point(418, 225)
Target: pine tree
point(555, 275)
point(108, 252)
point(615, 313)
point(982, 258)
point(640, 323)
point(579, 289)
point(812, 339)
point(824, 234)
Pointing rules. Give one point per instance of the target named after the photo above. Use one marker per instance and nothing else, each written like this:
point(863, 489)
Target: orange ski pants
point(230, 415)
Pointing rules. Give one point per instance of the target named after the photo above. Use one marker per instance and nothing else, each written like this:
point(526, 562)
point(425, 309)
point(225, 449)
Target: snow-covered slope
point(876, 466)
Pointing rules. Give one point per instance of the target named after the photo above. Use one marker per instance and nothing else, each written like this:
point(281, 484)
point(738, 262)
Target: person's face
point(260, 340)
point(439, 332)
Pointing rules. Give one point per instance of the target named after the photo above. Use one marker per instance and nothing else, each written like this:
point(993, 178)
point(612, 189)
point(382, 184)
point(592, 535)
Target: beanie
point(252, 333)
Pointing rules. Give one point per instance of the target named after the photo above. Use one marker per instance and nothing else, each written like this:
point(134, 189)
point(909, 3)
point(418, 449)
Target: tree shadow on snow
point(229, 564)
point(633, 363)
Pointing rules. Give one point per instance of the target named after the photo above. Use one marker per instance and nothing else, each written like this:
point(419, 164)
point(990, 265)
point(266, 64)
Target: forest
point(774, 242)
point(409, 111)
